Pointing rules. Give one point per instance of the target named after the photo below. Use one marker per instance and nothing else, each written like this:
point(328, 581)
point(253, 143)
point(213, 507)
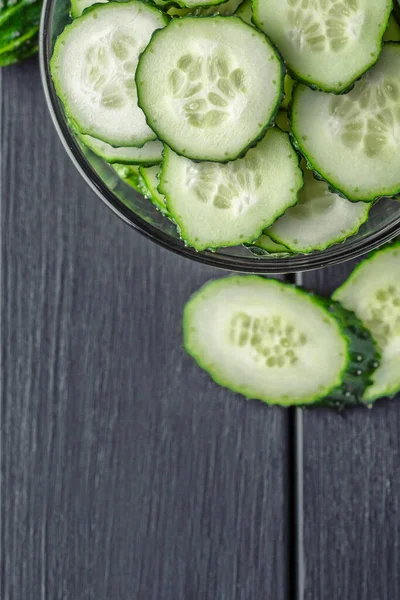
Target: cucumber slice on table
point(150, 176)
point(325, 43)
point(245, 12)
point(149, 154)
point(218, 204)
point(392, 33)
point(266, 340)
point(320, 219)
point(225, 9)
point(209, 86)
point(364, 358)
point(373, 292)
point(93, 68)
point(353, 141)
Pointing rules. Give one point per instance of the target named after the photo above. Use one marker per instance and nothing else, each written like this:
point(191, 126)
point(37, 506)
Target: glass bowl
point(138, 212)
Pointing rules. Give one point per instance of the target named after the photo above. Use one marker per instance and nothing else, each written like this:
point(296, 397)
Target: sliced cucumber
point(93, 68)
point(150, 176)
point(326, 43)
point(226, 9)
point(320, 219)
point(364, 358)
point(78, 6)
point(131, 176)
point(288, 87)
point(209, 86)
point(218, 204)
point(353, 141)
point(263, 339)
point(392, 33)
point(149, 154)
point(245, 12)
point(373, 293)
point(266, 243)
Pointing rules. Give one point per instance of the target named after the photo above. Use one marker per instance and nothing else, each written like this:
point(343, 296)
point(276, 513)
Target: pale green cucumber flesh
point(93, 68)
point(263, 339)
point(353, 141)
point(217, 204)
point(319, 220)
point(209, 87)
point(325, 43)
point(149, 154)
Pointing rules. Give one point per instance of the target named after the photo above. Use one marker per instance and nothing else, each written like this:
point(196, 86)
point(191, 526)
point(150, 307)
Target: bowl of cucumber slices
point(255, 136)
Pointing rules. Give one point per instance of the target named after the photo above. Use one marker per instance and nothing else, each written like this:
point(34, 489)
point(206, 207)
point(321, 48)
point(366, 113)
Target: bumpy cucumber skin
point(267, 126)
point(314, 85)
point(227, 244)
point(60, 41)
point(317, 300)
point(334, 187)
point(387, 248)
point(364, 358)
point(19, 30)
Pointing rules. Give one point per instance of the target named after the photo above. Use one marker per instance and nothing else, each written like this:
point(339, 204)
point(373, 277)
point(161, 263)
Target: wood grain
point(351, 490)
point(126, 473)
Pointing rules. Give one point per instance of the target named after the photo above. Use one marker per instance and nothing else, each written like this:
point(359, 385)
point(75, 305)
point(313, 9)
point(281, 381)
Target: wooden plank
point(126, 473)
point(351, 493)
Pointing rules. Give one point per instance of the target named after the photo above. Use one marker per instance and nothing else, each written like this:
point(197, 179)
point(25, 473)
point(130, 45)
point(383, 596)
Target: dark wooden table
point(126, 474)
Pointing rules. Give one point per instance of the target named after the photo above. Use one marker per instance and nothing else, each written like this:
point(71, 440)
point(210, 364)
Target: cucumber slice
point(218, 204)
point(78, 6)
point(373, 292)
point(131, 176)
point(150, 176)
point(245, 12)
point(263, 339)
point(320, 219)
point(149, 154)
point(364, 358)
point(209, 86)
point(325, 43)
point(392, 33)
point(353, 141)
point(93, 68)
point(226, 9)
point(266, 243)
point(288, 87)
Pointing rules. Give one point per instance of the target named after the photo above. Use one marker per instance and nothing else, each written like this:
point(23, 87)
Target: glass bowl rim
point(299, 263)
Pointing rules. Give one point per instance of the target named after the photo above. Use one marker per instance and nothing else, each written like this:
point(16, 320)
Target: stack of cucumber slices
point(273, 124)
point(274, 342)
